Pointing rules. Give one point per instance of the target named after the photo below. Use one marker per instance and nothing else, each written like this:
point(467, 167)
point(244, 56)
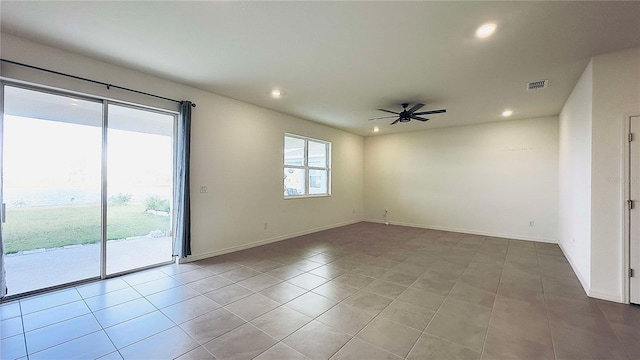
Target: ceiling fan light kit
point(407, 115)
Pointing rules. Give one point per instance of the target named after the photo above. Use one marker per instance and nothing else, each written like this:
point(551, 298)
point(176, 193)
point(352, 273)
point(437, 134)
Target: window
point(307, 166)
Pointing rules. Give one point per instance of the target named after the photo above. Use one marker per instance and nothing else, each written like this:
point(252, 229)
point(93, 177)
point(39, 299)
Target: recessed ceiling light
point(376, 129)
point(276, 93)
point(507, 113)
point(486, 30)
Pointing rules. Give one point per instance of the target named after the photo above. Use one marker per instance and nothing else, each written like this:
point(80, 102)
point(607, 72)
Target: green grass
point(31, 228)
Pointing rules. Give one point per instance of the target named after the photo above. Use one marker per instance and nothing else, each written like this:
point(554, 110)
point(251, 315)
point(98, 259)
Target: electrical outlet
point(532, 223)
point(266, 225)
point(204, 189)
point(353, 211)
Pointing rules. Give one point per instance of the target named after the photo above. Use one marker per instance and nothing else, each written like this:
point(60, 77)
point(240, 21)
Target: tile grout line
point(250, 321)
point(69, 340)
point(279, 306)
point(24, 333)
point(177, 325)
point(269, 335)
point(546, 308)
point(615, 332)
point(34, 312)
point(486, 335)
point(136, 317)
point(341, 302)
point(423, 332)
point(370, 321)
point(315, 319)
point(94, 316)
point(364, 327)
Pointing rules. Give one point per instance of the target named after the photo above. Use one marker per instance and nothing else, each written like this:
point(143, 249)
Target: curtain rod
point(109, 86)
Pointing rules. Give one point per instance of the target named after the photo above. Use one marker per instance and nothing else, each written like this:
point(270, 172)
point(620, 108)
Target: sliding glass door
point(51, 189)
point(139, 183)
point(86, 188)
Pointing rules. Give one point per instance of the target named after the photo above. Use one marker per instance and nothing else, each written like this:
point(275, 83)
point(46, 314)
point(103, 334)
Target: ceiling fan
point(407, 115)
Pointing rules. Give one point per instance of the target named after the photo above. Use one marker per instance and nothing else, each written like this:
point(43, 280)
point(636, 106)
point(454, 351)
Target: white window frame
point(306, 166)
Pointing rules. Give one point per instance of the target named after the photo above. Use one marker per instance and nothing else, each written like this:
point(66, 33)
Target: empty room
point(320, 180)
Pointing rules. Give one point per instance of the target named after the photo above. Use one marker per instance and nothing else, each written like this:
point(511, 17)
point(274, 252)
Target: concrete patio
point(50, 267)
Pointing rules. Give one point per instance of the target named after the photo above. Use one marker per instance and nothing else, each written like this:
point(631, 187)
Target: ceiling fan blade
point(398, 119)
point(389, 111)
point(418, 118)
point(415, 107)
point(384, 117)
point(431, 112)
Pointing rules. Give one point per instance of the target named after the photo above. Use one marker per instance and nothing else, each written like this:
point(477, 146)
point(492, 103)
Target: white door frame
point(625, 194)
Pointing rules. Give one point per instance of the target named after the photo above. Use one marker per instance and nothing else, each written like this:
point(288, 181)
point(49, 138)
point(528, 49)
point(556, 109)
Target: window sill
point(305, 196)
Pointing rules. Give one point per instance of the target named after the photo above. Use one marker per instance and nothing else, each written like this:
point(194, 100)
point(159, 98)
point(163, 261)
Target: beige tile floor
point(365, 291)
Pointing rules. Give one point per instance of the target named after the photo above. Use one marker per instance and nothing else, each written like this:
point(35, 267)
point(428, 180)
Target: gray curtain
point(181, 206)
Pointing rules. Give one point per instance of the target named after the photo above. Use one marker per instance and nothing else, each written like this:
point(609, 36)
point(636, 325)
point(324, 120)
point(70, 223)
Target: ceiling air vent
point(536, 85)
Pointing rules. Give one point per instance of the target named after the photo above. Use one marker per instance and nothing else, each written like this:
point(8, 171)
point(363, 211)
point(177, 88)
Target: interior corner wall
point(616, 96)
point(575, 178)
point(236, 151)
point(491, 179)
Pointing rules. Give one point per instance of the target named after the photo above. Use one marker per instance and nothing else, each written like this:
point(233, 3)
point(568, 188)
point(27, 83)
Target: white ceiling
point(337, 62)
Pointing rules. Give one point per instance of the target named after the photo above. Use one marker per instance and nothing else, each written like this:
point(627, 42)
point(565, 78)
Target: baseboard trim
point(264, 242)
point(606, 296)
point(585, 284)
point(467, 231)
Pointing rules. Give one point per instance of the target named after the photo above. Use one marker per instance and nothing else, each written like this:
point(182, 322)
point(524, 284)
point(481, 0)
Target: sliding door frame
point(2, 206)
point(105, 129)
point(104, 185)
point(52, 91)
point(103, 191)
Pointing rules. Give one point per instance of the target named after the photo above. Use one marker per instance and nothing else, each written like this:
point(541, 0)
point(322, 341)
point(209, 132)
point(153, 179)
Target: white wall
point(616, 95)
point(490, 179)
point(236, 152)
point(592, 141)
point(575, 178)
